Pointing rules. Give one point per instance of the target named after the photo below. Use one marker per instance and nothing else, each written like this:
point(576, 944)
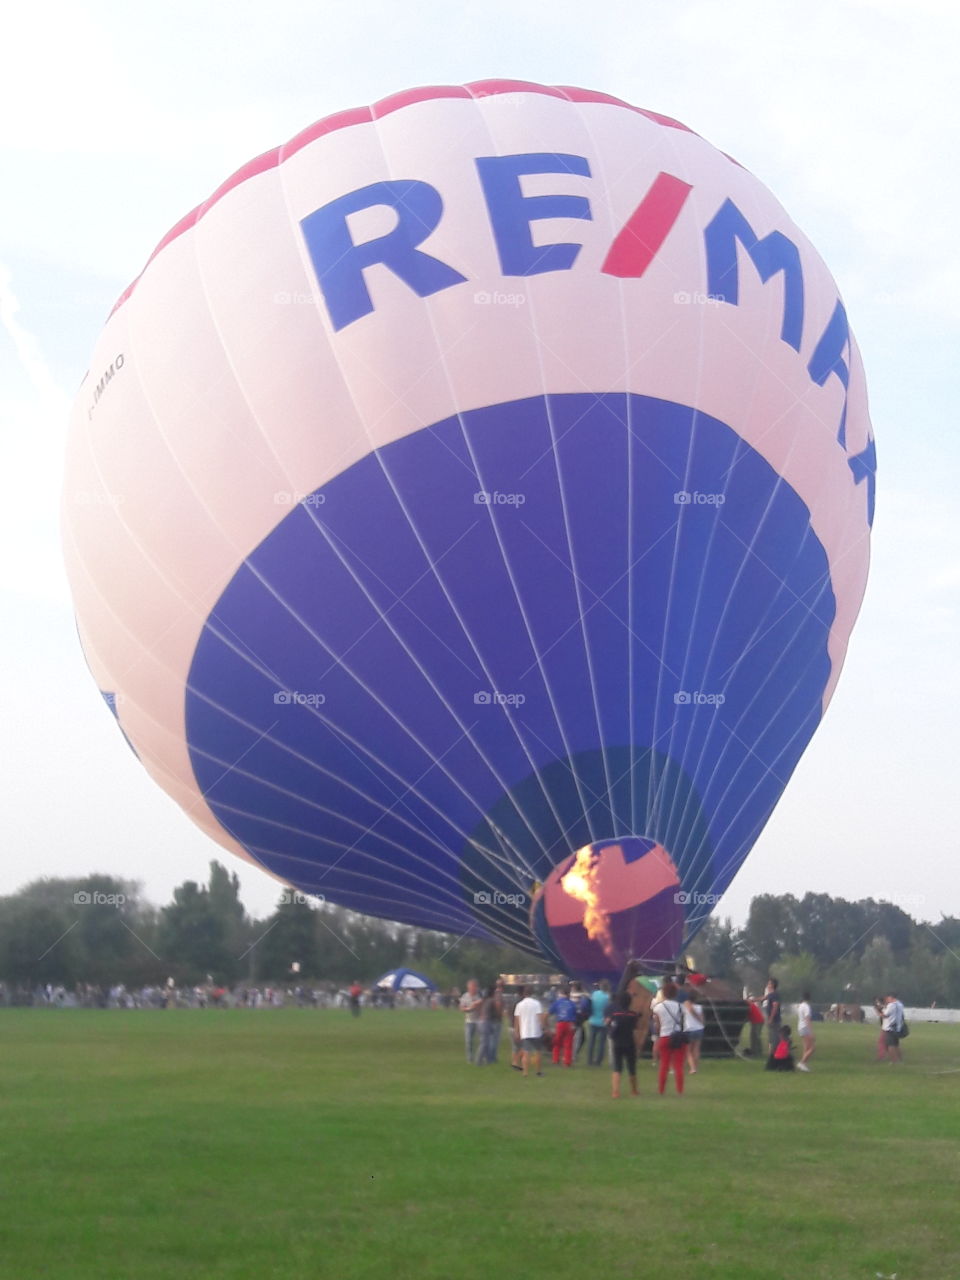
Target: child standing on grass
point(623, 1039)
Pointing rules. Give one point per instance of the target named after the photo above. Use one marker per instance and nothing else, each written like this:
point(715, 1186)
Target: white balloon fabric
point(467, 510)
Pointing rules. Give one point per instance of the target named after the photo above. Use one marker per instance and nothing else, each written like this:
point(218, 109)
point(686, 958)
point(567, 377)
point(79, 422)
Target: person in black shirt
point(771, 1009)
point(622, 1023)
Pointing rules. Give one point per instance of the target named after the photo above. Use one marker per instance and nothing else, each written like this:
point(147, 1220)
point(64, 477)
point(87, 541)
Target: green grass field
point(295, 1144)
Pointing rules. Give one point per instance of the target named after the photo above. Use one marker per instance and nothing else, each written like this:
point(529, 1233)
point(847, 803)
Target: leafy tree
point(771, 928)
point(202, 932)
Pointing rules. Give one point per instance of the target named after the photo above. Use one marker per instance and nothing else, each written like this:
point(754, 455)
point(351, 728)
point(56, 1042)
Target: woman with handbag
point(671, 1037)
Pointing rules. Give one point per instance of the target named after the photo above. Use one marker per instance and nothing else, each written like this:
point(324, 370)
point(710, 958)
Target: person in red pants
point(671, 1038)
point(564, 1012)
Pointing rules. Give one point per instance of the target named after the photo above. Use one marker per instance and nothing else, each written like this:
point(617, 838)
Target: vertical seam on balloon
point(504, 709)
point(551, 425)
point(628, 442)
point(656, 782)
point(428, 560)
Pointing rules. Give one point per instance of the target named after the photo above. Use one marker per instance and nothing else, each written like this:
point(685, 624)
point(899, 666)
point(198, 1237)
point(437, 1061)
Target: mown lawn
point(297, 1144)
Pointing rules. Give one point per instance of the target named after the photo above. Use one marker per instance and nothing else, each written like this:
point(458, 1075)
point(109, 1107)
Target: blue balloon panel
point(529, 628)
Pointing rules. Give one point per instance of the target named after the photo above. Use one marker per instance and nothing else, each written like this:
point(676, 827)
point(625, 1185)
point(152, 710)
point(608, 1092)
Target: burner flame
point(580, 882)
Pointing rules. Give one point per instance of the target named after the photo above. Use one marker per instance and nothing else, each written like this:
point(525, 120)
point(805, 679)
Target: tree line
point(101, 931)
point(840, 951)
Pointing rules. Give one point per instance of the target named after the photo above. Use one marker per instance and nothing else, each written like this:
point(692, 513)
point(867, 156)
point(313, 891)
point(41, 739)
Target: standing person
point(356, 991)
point(772, 1012)
point(528, 1027)
point(892, 1026)
point(694, 1024)
point(510, 1001)
point(671, 1040)
point(881, 1038)
point(597, 1023)
point(491, 1023)
point(805, 1031)
point(584, 1007)
point(471, 1003)
point(564, 1013)
point(757, 1020)
point(623, 1041)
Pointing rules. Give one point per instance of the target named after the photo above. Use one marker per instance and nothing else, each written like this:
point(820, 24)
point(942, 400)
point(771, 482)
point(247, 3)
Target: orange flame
point(580, 882)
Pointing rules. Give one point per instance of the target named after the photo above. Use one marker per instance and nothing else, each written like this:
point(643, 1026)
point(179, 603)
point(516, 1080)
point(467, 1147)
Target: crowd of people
point(212, 995)
point(573, 1020)
point(782, 1057)
point(570, 1019)
point(569, 1023)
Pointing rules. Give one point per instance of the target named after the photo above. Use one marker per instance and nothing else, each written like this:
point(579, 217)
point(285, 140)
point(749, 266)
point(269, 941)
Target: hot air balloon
point(466, 513)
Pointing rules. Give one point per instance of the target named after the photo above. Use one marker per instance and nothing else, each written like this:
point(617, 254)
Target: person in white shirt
point(693, 1025)
point(805, 1031)
point(528, 1026)
point(471, 1003)
point(892, 1024)
point(668, 1018)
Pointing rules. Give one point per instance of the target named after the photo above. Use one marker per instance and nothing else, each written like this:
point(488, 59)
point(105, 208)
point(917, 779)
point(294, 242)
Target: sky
point(116, 119)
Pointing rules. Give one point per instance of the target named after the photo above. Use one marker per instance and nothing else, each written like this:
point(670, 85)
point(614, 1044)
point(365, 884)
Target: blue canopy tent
point(404, 980)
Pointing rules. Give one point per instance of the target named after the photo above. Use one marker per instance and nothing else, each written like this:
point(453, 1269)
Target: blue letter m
point(771, 254)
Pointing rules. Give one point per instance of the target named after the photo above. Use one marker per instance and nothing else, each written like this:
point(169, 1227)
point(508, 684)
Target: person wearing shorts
point(528, 1026)
point(622, 1024)
point(694, 1026)
point(805, 1031)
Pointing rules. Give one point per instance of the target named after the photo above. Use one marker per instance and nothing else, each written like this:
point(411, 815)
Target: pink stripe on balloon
point(365, 115)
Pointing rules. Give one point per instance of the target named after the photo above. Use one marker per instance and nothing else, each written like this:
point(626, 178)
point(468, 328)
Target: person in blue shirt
point(584, 1008)
point(564, 1013)
point(599, 1000)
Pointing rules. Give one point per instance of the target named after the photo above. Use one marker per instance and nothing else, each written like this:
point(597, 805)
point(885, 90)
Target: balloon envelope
point(466, 513)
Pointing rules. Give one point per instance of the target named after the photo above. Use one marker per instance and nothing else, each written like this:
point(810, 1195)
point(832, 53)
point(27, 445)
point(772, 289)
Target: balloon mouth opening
point(609, 903)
